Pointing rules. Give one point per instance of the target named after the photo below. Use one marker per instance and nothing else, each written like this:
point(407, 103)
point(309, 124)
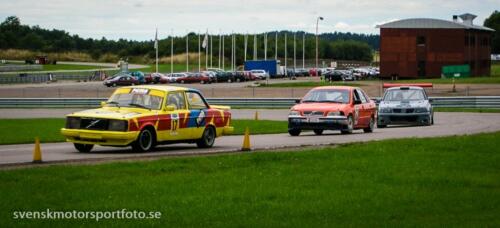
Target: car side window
point(361, 96)
point(356, 96)
point(177, 100)
point(195, 101)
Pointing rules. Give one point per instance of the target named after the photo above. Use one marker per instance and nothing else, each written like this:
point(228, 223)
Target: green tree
point(494, 22)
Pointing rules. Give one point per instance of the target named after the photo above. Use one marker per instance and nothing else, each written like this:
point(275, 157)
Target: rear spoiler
point(390, 85)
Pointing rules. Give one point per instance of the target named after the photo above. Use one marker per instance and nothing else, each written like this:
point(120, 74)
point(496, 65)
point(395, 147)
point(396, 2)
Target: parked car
point(223, 76)
point(145, 116)
point(261, 74)
point(404, 105)
point(202, 77)
point(341, 108)
point(172, 78)
point(121, 80)
point(249, 76)
point(156, 78)
point(212, 75)
point(239, 76)
point(334, 76)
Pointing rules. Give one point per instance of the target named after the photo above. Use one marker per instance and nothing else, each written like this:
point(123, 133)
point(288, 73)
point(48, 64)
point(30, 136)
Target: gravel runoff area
point(446, 124)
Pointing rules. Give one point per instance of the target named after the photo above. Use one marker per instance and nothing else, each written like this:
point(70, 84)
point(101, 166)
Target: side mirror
point(103, 103)
point(297, 101)
point(357, 102)
point(169, 108)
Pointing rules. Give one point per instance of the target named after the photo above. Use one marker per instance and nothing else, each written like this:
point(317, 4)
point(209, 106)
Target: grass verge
point(48, 129)
point(478, 110)
point(448, 181)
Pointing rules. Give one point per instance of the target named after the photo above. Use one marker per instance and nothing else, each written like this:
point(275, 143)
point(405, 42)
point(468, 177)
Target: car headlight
point(118, 125)
point(421, 110)
point(73, 122)
point(334, 114)
point(385, 110)
point(294, 113)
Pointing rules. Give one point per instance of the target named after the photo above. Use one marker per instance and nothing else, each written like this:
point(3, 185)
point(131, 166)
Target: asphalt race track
point(446, 124)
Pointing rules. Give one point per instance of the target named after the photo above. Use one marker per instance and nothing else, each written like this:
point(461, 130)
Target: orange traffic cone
point(246, 141)
point(37, 153)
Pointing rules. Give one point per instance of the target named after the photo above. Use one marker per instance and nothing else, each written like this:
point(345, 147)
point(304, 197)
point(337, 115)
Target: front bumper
point(108, 138)
point(403, 118)
point(226, 130)
point(317, 123)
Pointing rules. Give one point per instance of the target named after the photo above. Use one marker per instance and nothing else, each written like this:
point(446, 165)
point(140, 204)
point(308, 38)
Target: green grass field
point(479, 110)
point(48, 129)
point(50, 67)
point(309, 84)
point(438, 182)
point(493, 79)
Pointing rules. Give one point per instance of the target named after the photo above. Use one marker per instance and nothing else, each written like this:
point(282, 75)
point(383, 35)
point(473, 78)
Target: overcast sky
point(137, 19)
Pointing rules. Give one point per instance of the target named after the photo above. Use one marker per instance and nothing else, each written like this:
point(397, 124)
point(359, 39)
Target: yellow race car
point(145, 116)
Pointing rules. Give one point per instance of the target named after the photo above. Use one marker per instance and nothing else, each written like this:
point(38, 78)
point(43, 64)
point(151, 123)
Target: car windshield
point(327, 96)
point(404, 95)
point(135, 100)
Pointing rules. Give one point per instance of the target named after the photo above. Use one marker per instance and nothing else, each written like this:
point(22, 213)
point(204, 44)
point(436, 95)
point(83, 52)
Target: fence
point(36, 77)
point(452, 102)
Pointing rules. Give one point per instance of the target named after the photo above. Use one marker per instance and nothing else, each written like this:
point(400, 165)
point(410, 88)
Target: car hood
point(324, 107)
point(404, 104)
point(112, 113)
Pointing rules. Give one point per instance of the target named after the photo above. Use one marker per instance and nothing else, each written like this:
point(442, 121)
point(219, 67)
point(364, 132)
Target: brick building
point(420, 47)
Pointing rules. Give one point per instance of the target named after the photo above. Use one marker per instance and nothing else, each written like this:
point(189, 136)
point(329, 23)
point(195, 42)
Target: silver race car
point(405, 105)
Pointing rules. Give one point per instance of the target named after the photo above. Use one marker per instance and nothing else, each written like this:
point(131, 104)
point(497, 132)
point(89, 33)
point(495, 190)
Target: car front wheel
point(145, 141)
point(84, 148)
point(294, 132)
point(350, 126)
point(207, 139)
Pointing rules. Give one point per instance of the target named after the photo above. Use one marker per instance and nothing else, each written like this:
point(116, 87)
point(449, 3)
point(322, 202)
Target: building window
point(420, 40)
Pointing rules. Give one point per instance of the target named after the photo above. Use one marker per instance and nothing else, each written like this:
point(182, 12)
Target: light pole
point(317, 22)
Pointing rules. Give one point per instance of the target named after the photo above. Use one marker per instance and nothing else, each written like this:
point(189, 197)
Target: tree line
point(337, 45)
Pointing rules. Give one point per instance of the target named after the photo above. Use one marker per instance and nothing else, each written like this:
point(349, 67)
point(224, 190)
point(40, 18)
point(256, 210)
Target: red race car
point(341, 108)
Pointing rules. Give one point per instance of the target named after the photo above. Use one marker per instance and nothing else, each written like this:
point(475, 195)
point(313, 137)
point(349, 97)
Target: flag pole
point(199, 52)
point(187, 51)
point(276, 46)
point(156, 47)
point(211, 51)
point(304, 50)
point(172, 51)
point(265, 46)
point(206, 51)
point(223, 53)
point(245, 39)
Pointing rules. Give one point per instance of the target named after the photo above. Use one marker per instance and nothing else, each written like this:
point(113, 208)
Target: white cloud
point(137, 19)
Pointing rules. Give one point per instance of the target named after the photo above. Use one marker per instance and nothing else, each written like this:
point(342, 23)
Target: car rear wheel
point(145, 141)
point(370, 127)
point(84, 148)
point(318, 132)
point(294, 132)
point(207, 139)
point(350, 126)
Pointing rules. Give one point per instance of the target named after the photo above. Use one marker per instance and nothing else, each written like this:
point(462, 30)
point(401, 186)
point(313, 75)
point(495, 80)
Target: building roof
point(429, 23)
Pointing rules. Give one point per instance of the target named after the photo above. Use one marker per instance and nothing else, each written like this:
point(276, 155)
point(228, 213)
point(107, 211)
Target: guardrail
point(452, 102)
